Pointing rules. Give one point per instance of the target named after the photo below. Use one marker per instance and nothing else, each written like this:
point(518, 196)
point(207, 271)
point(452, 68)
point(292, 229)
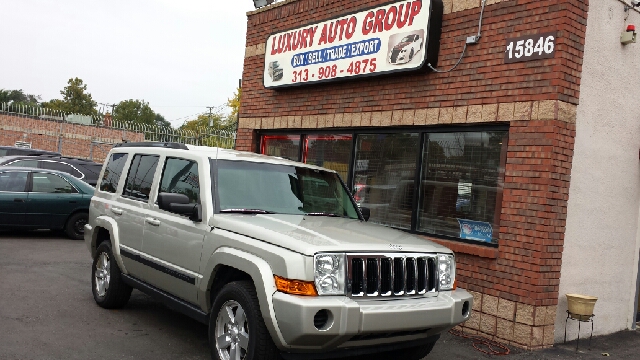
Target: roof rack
point(166, 145)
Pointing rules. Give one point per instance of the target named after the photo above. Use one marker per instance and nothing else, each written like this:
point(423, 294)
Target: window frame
point(44, 171)
point(423, 132)
point(124, 184)
point(127, 165)
point(164, 167)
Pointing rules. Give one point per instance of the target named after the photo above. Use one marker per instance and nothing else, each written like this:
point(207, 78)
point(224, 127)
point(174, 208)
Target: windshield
point(281, 189)
point(407, 39)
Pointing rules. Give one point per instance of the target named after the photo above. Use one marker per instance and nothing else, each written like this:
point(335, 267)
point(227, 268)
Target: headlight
point(329, 272)
point(446, 271)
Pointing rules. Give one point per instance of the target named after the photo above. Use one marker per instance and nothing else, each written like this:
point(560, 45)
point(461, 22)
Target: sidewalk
point(621, 345)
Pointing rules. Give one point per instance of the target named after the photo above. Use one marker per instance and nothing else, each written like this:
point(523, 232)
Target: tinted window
point(25, 163)
point(112, 172)
point(51, 183)
point(55, 165)
point(13, 181)
point(181, 177)
point(140, 177)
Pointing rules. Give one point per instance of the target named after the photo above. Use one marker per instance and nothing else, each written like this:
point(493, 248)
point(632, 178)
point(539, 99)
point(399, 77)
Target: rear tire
point(75, 225)
point(236, 325)
point(109, 291)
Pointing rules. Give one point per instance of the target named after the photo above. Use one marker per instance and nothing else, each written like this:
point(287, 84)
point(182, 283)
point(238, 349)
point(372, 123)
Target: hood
point(401, 45)
point(311, 234)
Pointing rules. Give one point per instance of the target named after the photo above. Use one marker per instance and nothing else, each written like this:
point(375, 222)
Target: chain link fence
point(91, 137)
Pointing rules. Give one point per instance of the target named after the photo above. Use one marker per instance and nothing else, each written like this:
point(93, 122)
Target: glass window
point(329, 151)
point(282, 189)
point(284, 146)
point(180, 176)
point(140, 177)
point(24, 163)
point(52, 184)
point(384, 175)
point(461, 185)
point(59, 166)
point(13, 181)
point(113, 172)
point(3, 152)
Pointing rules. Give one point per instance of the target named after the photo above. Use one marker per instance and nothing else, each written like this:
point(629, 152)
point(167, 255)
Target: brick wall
point(70, 139)
point(515, 286)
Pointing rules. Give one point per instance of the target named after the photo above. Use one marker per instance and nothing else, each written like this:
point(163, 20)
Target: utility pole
point(210, 115)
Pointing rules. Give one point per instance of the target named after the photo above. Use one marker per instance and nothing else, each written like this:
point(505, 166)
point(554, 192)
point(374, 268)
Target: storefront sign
point(390, 38)
point(531, 47)
point(475, 230)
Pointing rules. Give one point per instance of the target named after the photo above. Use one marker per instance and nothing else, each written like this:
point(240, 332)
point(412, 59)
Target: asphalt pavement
point(47, 312)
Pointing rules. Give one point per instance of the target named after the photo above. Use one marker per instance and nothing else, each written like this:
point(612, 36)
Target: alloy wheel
point(232, 332)
point(102, 274)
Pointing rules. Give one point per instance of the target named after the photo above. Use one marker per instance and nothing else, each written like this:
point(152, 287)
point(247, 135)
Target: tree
point(75, 99)
point(202, 122)
point(137, 111)
point(161, 121)
point(234, 103)
point(18, 97)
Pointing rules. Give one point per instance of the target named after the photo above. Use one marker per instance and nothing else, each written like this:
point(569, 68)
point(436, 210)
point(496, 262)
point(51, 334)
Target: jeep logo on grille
point(395, 247)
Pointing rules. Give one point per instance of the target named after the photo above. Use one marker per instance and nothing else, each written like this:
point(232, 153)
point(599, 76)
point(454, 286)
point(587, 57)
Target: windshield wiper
point(322, 214)
point(246, 211)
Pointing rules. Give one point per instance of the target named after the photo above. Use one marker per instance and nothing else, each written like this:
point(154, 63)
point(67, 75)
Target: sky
point(178, 55)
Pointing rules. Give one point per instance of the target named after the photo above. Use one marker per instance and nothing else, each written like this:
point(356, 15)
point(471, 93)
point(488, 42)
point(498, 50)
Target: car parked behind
point(82, 169)
point(12, 150)
point(32, 199)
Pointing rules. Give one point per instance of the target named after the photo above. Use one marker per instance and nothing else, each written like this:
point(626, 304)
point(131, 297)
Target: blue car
point(33, 199)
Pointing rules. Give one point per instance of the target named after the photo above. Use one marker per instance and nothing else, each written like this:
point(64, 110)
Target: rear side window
point(65, 168)
point(25, 163)
point(13, 181)
point(140, 177)
point(52, 184)
point(180, 176)
point(112, 172)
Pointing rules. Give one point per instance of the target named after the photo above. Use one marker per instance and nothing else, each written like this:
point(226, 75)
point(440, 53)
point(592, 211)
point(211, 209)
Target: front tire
point(236, 327)
point(109, 291)
point(75, 225)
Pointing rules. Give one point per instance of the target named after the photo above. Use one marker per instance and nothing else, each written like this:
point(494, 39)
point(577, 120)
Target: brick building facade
point(515, 278)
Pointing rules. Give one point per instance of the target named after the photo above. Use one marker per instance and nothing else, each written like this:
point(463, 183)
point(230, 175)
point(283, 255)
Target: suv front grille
point(391, 275)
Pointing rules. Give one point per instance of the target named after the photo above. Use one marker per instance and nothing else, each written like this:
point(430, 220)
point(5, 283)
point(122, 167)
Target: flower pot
point(581, 306)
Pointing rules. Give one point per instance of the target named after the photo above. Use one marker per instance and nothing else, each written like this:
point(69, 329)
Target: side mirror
point(366, 213)
point(180, 204)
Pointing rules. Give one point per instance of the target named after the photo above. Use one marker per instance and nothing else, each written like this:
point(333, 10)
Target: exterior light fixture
point(629, 36)
point(260, 3)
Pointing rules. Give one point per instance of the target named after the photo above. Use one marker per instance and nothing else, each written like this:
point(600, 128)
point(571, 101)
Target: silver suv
point(272, 254)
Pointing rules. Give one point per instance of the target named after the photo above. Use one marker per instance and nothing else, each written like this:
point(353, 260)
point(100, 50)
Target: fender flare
point(262, 276)
point(110, 225)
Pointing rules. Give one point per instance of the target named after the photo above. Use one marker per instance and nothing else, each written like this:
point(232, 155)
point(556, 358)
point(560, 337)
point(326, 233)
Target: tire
point(412, 353)
point(247, 334)
point(109, 291)
point(74, 228)
point(411, 54)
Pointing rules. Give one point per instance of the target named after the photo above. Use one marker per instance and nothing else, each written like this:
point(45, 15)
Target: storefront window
point(329, 151)
point(385, 169)
point(284, 146)
point(461, 184)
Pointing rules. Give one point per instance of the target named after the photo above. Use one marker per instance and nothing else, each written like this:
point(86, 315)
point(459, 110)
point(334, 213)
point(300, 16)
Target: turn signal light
point(455, 284)
point(295, 287)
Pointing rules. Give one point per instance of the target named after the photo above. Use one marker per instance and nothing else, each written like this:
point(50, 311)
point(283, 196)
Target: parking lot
point(47, 312)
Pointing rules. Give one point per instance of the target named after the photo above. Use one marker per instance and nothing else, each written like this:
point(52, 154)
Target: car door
point(13, 197)
point(51, 200)
point(133, 207)
point(175, 240)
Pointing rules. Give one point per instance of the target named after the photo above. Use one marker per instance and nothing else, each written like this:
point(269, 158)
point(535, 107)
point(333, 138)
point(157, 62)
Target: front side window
point(51, 184)
point(140, 177)
point(180, 176)
point(13, 181)
point(59, 166)
point(461, 184)
point(113, 172)
point(281, 189)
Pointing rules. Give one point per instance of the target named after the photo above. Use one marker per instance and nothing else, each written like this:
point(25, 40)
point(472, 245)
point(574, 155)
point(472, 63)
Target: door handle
point(18, 200)
point(152, 221)
point(117, 211)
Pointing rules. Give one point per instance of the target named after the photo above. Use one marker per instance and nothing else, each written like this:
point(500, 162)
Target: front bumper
point(366, 322)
